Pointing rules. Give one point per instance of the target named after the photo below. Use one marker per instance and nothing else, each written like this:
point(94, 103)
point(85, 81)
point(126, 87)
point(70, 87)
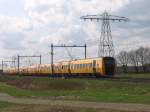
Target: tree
point(143, 55)
point(123, 59)
point(134, 60)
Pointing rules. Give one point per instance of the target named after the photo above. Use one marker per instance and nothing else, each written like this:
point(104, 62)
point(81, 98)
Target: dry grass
point(35, 83)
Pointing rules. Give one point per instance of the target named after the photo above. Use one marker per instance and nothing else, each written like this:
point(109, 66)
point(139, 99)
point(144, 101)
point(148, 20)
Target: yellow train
point(93, 67)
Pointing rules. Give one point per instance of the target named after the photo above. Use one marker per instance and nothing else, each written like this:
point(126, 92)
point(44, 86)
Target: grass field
point(100, 90)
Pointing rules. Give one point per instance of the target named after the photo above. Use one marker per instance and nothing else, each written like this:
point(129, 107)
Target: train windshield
point(109, 64)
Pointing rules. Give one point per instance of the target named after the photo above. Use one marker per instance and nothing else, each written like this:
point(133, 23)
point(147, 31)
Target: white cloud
point(58, 21)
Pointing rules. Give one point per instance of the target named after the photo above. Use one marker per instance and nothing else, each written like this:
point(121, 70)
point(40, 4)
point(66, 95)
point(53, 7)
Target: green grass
point(5, 105)
point(103, 90)
point(134, 75)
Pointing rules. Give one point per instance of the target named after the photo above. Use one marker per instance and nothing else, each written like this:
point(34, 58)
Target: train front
point(109, 66)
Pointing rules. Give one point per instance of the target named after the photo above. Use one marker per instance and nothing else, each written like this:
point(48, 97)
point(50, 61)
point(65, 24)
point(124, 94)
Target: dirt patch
point(119, 107)
point(40, 108)
point(48, 108)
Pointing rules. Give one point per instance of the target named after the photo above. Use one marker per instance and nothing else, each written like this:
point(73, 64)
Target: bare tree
point(134, 59)
point(147, 57)
point(143, 55)
point(123, 59)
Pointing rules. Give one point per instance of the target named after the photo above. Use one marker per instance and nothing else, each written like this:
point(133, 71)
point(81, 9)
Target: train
point(91, 67)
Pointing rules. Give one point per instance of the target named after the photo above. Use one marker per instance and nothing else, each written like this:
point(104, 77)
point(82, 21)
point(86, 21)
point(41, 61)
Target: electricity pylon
point(105, 47)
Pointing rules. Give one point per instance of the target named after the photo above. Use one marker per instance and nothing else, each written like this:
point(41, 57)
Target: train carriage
point(93, 67)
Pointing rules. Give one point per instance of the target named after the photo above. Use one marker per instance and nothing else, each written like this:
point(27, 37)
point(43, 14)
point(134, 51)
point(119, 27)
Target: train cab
point(109, 64)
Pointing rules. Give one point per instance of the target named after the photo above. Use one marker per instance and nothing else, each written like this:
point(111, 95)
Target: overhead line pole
point(27, 57)
point(52, 52)
point(3, 62)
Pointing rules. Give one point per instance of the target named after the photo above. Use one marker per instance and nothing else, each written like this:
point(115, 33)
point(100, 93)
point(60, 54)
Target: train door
point(94, 66)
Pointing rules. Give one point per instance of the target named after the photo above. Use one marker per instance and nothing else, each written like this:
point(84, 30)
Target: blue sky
point(30, 26)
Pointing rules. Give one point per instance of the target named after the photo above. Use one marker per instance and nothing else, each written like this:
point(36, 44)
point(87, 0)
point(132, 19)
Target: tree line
point(137, 59)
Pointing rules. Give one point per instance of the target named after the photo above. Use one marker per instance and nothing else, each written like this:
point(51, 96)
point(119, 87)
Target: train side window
point(65, 67)
point(69, 66)
point(94, 63)
point(87, 65)
point(83, 65)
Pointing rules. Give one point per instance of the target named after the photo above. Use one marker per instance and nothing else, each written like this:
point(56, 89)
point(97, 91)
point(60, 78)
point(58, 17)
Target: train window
point(89, 65)
point(80, 66)
point(72, 66)
point(75, 66)
point(94, 63)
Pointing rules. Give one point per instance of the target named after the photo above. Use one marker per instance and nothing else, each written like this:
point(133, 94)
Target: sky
point(28, 27)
